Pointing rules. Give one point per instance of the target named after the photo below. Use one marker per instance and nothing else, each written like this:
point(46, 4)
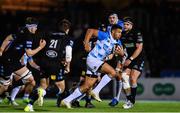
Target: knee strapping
point(126, 83)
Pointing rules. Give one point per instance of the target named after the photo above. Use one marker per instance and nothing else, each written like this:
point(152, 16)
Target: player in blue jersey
point(95, 59)
point(113, 19)
point(117, 83)
point(115, 59)
point(87, 96)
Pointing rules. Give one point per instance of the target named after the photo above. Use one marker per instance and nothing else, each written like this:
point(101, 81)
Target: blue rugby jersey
point(104, 45)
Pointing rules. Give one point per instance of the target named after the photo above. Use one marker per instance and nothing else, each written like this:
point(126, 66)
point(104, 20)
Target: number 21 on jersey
point(53, 43)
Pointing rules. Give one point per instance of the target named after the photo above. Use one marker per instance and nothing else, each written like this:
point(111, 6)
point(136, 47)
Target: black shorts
point(137, 64)
point(83, 68)
point(35, 72)
point(52, 69)
point(10, 66)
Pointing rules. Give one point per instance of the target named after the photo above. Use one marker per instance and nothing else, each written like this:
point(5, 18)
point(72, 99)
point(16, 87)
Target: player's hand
point(109, 57)
point(87, 47)
point(1, 52)
point(64, 63)
point(127, 62)
point(119, 50)
point(42, 43)
point(67, 70)
point(38, 68)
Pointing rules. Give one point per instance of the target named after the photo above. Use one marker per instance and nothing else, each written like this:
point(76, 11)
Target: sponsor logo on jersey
point(129, 45)
point(51, 53)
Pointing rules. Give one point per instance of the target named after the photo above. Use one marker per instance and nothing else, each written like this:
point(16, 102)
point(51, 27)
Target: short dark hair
point(31, 20)
point(102, 27)
point(116, 26)
point(128, 19)
point(113, 14)
point(64, 24)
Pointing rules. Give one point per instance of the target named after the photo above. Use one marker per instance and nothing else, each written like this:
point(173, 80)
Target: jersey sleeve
point(139, 38)
point(71, 42)
point(102, 35)
point(28, 43)
point(14, 36)
point(121, 23)
point(120, 43)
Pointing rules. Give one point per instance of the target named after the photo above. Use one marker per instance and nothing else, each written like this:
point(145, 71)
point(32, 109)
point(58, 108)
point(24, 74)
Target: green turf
point(140, 106)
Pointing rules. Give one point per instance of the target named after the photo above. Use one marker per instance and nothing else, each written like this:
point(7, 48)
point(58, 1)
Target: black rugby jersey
point(56, 43)
point(130, 39)
point(16, 48)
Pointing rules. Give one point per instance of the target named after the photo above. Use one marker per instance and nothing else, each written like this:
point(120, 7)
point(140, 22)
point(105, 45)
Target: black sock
point(133, 93)
point(88, 98)
point(17, 83)
point(33, 97)
point(130, 98)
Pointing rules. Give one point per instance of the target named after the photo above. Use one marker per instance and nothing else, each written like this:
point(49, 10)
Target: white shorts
point(25, 76)
point(93, 65)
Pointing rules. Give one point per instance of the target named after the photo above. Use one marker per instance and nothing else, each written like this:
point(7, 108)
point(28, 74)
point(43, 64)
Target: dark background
point(157, 19)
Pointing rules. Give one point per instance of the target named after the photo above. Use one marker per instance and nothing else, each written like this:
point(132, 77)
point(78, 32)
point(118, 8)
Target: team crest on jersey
point(51, 53)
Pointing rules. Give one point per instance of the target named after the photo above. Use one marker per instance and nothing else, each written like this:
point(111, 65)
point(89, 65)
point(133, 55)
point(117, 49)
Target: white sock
point(60, 91)
point(26, 95)
point(119, 88)
point(44, 92)
point(30, 105)
point(104, 81)
point(14, 92)
point(78, 99)
point(73, 96)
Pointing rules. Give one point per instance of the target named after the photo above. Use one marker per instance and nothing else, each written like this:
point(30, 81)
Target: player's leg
point(27, 79)
point(109, 74)
point(87, 96)
point(76, 102)
point(44, 83)
point(88, 99)
point(118, 86)
point(13, 94)
point(89, 82)
point(8, 78)
point(127, 89)
point(136, 69)
point(3, 87)
point(134, 77)
point(33, 97)
point(15, 90)
point(28, 87)
point(61, 93)
point(5, 81)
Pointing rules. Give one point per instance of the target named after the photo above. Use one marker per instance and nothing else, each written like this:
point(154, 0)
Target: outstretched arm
point(5, 43)
point(89, 34)
point(31, 52)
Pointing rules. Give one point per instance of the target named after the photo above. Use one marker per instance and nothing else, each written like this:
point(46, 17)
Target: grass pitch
point(140, 106)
